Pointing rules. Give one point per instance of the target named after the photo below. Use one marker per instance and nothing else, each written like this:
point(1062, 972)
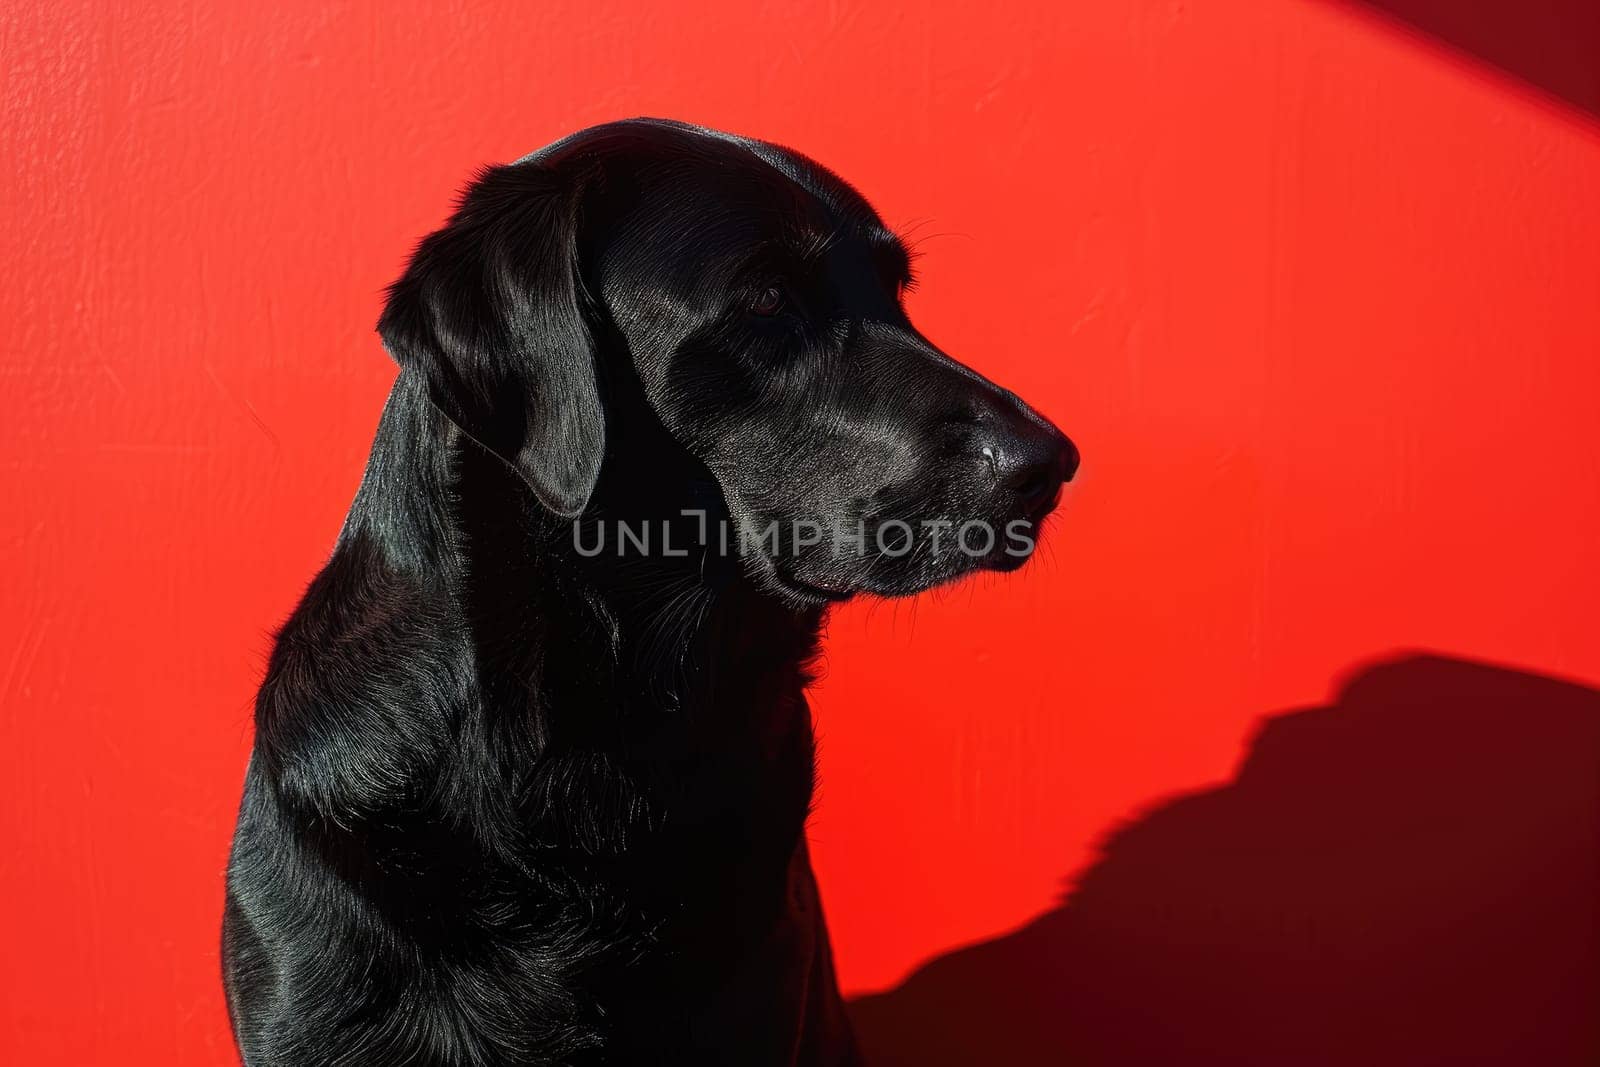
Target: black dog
point(533, 758)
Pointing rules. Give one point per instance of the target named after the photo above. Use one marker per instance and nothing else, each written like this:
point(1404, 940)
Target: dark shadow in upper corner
point(1551, 44)
point(1410, 876)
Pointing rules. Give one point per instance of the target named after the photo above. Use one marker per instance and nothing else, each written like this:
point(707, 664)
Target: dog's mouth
point(821, 591)
point(1037, 516)
point(910, 567)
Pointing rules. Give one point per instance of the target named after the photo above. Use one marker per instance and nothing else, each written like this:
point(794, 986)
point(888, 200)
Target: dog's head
point(753, 299)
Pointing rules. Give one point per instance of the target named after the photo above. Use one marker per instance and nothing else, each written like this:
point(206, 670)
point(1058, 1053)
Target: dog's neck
point(439, 506)
point(703, 676)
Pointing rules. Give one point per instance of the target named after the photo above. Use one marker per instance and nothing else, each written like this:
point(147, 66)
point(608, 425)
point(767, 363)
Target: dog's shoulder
point(362, 688)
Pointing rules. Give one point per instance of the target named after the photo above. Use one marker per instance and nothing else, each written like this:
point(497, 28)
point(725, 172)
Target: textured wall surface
point(1315, 286)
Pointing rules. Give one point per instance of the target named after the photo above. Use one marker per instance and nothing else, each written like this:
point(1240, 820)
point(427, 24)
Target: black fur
point(512, 803)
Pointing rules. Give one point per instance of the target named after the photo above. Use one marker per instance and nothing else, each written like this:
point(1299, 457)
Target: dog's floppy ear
point(491, 314)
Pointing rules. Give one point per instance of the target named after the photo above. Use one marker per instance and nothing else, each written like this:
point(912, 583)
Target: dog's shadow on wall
point(1409, 876)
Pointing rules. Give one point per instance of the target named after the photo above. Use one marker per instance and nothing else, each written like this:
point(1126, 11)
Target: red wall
point(1316, 290)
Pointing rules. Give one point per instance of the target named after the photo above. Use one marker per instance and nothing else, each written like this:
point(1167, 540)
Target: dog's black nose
point(1031, 459)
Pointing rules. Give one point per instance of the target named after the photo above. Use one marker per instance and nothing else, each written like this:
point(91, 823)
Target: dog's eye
point(768, 301)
